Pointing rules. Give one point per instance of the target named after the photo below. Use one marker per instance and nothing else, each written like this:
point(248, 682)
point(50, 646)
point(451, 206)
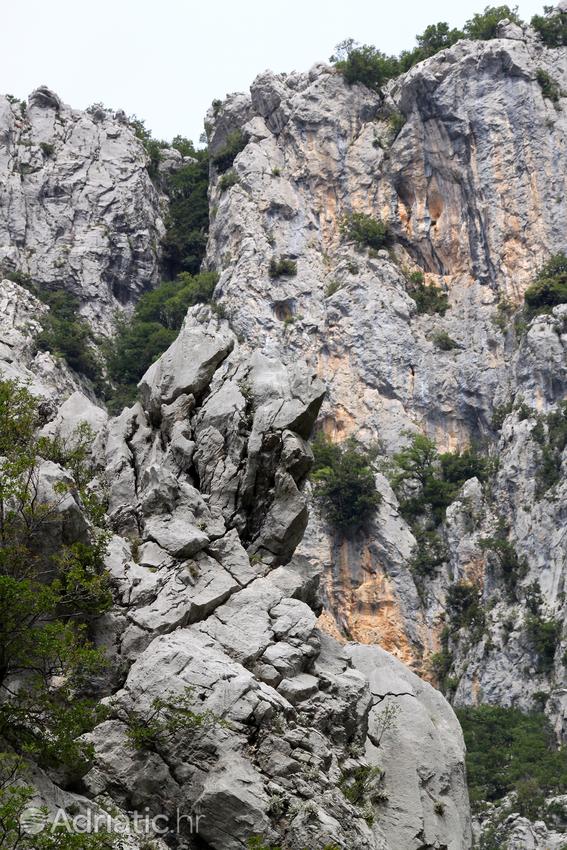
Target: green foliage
point(444, 342)
point(362, 784)
point(227, 180)
point(364, 64)
point(506, 750)
point(463, 606)
point(344, 484)
point(396, 123)
point(441, 664)
point(551, 434)
point(50, 592)
point(512, 567)
point(16, 796)
point(426, 482)
point(332, 287)
point(64, 331)
point(544, 634)
point(551, 27)
point(155, 324)
point(435, 37)
point(428, 299)
point(223, 158)
point(483, 25)
point(168, 718)
point(47, 149)
point(365, 230)
point(282, 266)
point(549, 287)
point(550, 88)
point(187, 223)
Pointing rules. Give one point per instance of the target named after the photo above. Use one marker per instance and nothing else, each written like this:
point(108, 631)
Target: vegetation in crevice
point(550, 433)
point(365, 231)
point(428, 298)
point(509, 751)
point(549, 288)
point(511, 566)
point(344, 484)
point(550, 88)
point(223, 158)
point(282, 267)
point(65, 333)
point(543, 631)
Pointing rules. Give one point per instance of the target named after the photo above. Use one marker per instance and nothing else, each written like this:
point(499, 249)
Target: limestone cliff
point(297, 646)
point(470, 177)
point(77, 207)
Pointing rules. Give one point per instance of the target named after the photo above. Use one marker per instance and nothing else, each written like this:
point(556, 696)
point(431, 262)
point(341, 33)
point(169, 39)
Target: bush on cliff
point(506, 750)
point(484, 25)
point(362, 63)
point(366, 231)
point(550, 286)
point(344, 485)
point(551, 27)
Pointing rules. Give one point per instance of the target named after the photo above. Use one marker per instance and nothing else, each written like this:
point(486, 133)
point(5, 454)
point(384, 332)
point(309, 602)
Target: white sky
point(166, 61)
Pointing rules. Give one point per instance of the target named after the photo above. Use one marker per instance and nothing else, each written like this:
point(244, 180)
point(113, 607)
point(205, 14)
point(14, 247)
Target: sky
point(166, 60)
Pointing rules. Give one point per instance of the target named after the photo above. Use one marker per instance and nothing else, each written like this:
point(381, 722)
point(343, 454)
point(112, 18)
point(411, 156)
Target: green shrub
point(282, 267)
point(167, 718)
point(505, 749)
point(332, 287)
point(444, 342)
point(550, 88)
point(549, 287)
point(544, 634)
point(551, 434)
point(344, 484)
point(428, 299)
point(396, 123)
point(49, 594)
point(187, 222)
point(66, 333)
point(483, 25)
point(364, 64)
point(223, 158)
point(362, 784)
point(365, 230)
point(551, 27)
point(227, 180)
point(463, 606)
point(152, 147)
point(435, 37)
point(441, 664)
point(47, 149)
point(426, 483)
point(17, 796)
point(512, 567)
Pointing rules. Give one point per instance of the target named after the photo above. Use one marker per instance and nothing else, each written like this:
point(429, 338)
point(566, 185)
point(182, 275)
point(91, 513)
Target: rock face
point(77, 208)
point(205, 482)
point(233, 600)
point(464, 159)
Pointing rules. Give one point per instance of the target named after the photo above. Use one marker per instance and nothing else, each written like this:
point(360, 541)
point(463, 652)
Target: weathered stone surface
point(75, 190)
point(186, 367)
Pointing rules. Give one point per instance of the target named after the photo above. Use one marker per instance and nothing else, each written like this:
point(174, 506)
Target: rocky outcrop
point(463, 158)
point(78, 210)
point(205, 480)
